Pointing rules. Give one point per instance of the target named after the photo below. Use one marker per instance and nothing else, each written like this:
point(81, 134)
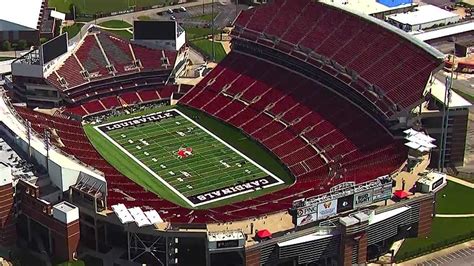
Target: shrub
point(6, 46)
point(22, 45)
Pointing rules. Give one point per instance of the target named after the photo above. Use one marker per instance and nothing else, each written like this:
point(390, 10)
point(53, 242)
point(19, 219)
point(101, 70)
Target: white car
point(183, 9)
point(170, 11)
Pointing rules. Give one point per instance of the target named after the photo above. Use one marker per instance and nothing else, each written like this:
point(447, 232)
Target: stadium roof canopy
point(447, 31)
point(20, 15)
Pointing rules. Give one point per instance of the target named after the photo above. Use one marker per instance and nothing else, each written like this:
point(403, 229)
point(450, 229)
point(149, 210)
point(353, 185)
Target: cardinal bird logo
point(327, 205)
point(185, 152)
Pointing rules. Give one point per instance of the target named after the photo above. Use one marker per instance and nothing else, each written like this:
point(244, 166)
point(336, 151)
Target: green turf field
point(205, 46)
point(73, 30)
point(452, 198)
point(214, 173)
point(122, 33)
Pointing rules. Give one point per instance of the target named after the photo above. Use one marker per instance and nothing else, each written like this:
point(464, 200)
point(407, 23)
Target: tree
point(22, 45)
point(6, 46)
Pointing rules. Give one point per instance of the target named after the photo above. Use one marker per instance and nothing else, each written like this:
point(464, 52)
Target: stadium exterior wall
point(7, 221)
point(457, 130)
point(404, 219)
point(63, 238)
point(61, 175)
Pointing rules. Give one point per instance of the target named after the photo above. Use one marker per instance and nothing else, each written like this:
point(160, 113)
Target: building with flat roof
point(25, 20)
point(449, 31)
point(423, 17)
point(374, 8)
point(432, 114)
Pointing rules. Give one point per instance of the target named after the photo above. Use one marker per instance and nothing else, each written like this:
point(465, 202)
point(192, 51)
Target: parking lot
point(462, 257)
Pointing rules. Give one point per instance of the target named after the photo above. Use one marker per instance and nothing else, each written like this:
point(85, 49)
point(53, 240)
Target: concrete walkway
point(460, 181)
point(112, 29)
point(455, 215)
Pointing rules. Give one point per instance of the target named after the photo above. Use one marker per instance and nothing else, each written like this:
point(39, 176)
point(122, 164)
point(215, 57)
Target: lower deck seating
point(142, 95)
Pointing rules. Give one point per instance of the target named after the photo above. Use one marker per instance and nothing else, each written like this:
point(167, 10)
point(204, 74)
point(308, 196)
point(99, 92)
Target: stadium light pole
point(445, 118)
point(447, 104)
point(212, 31)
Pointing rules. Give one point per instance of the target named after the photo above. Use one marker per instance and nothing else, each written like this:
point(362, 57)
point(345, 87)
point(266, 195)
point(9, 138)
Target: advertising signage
point(363, 199)
point(327, 209)
point(306, 215)
point(382, 193)
point(345, 203)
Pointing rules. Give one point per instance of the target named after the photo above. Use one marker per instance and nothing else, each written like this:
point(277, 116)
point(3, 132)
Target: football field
point(189, 160)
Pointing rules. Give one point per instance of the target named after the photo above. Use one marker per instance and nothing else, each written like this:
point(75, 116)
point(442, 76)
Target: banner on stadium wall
point(345, 203)
point(326, 209)
point(382, 193)
point(306, 215)
point(299, 203)
point(363, 198)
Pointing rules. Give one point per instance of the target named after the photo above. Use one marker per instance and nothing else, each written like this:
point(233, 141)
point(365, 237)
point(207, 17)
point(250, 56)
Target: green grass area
point(118, 24)
point(122, 33)
point(205, 46)
point(73, 30)
point(115, 24)
point(206, 17)
point(203, 166)
point(144, 18)
point(452, 199)
point(193, 32)
point(469, 97)
point(2, 58)
point(104, 6)
point(444, 231)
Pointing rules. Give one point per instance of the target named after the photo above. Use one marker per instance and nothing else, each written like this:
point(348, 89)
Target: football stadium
point(293, 150)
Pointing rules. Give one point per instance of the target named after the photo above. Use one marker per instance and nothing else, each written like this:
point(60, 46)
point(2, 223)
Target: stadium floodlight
point(139, 217)
point(153, 216)
point(419, 140)
point(122, 213)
